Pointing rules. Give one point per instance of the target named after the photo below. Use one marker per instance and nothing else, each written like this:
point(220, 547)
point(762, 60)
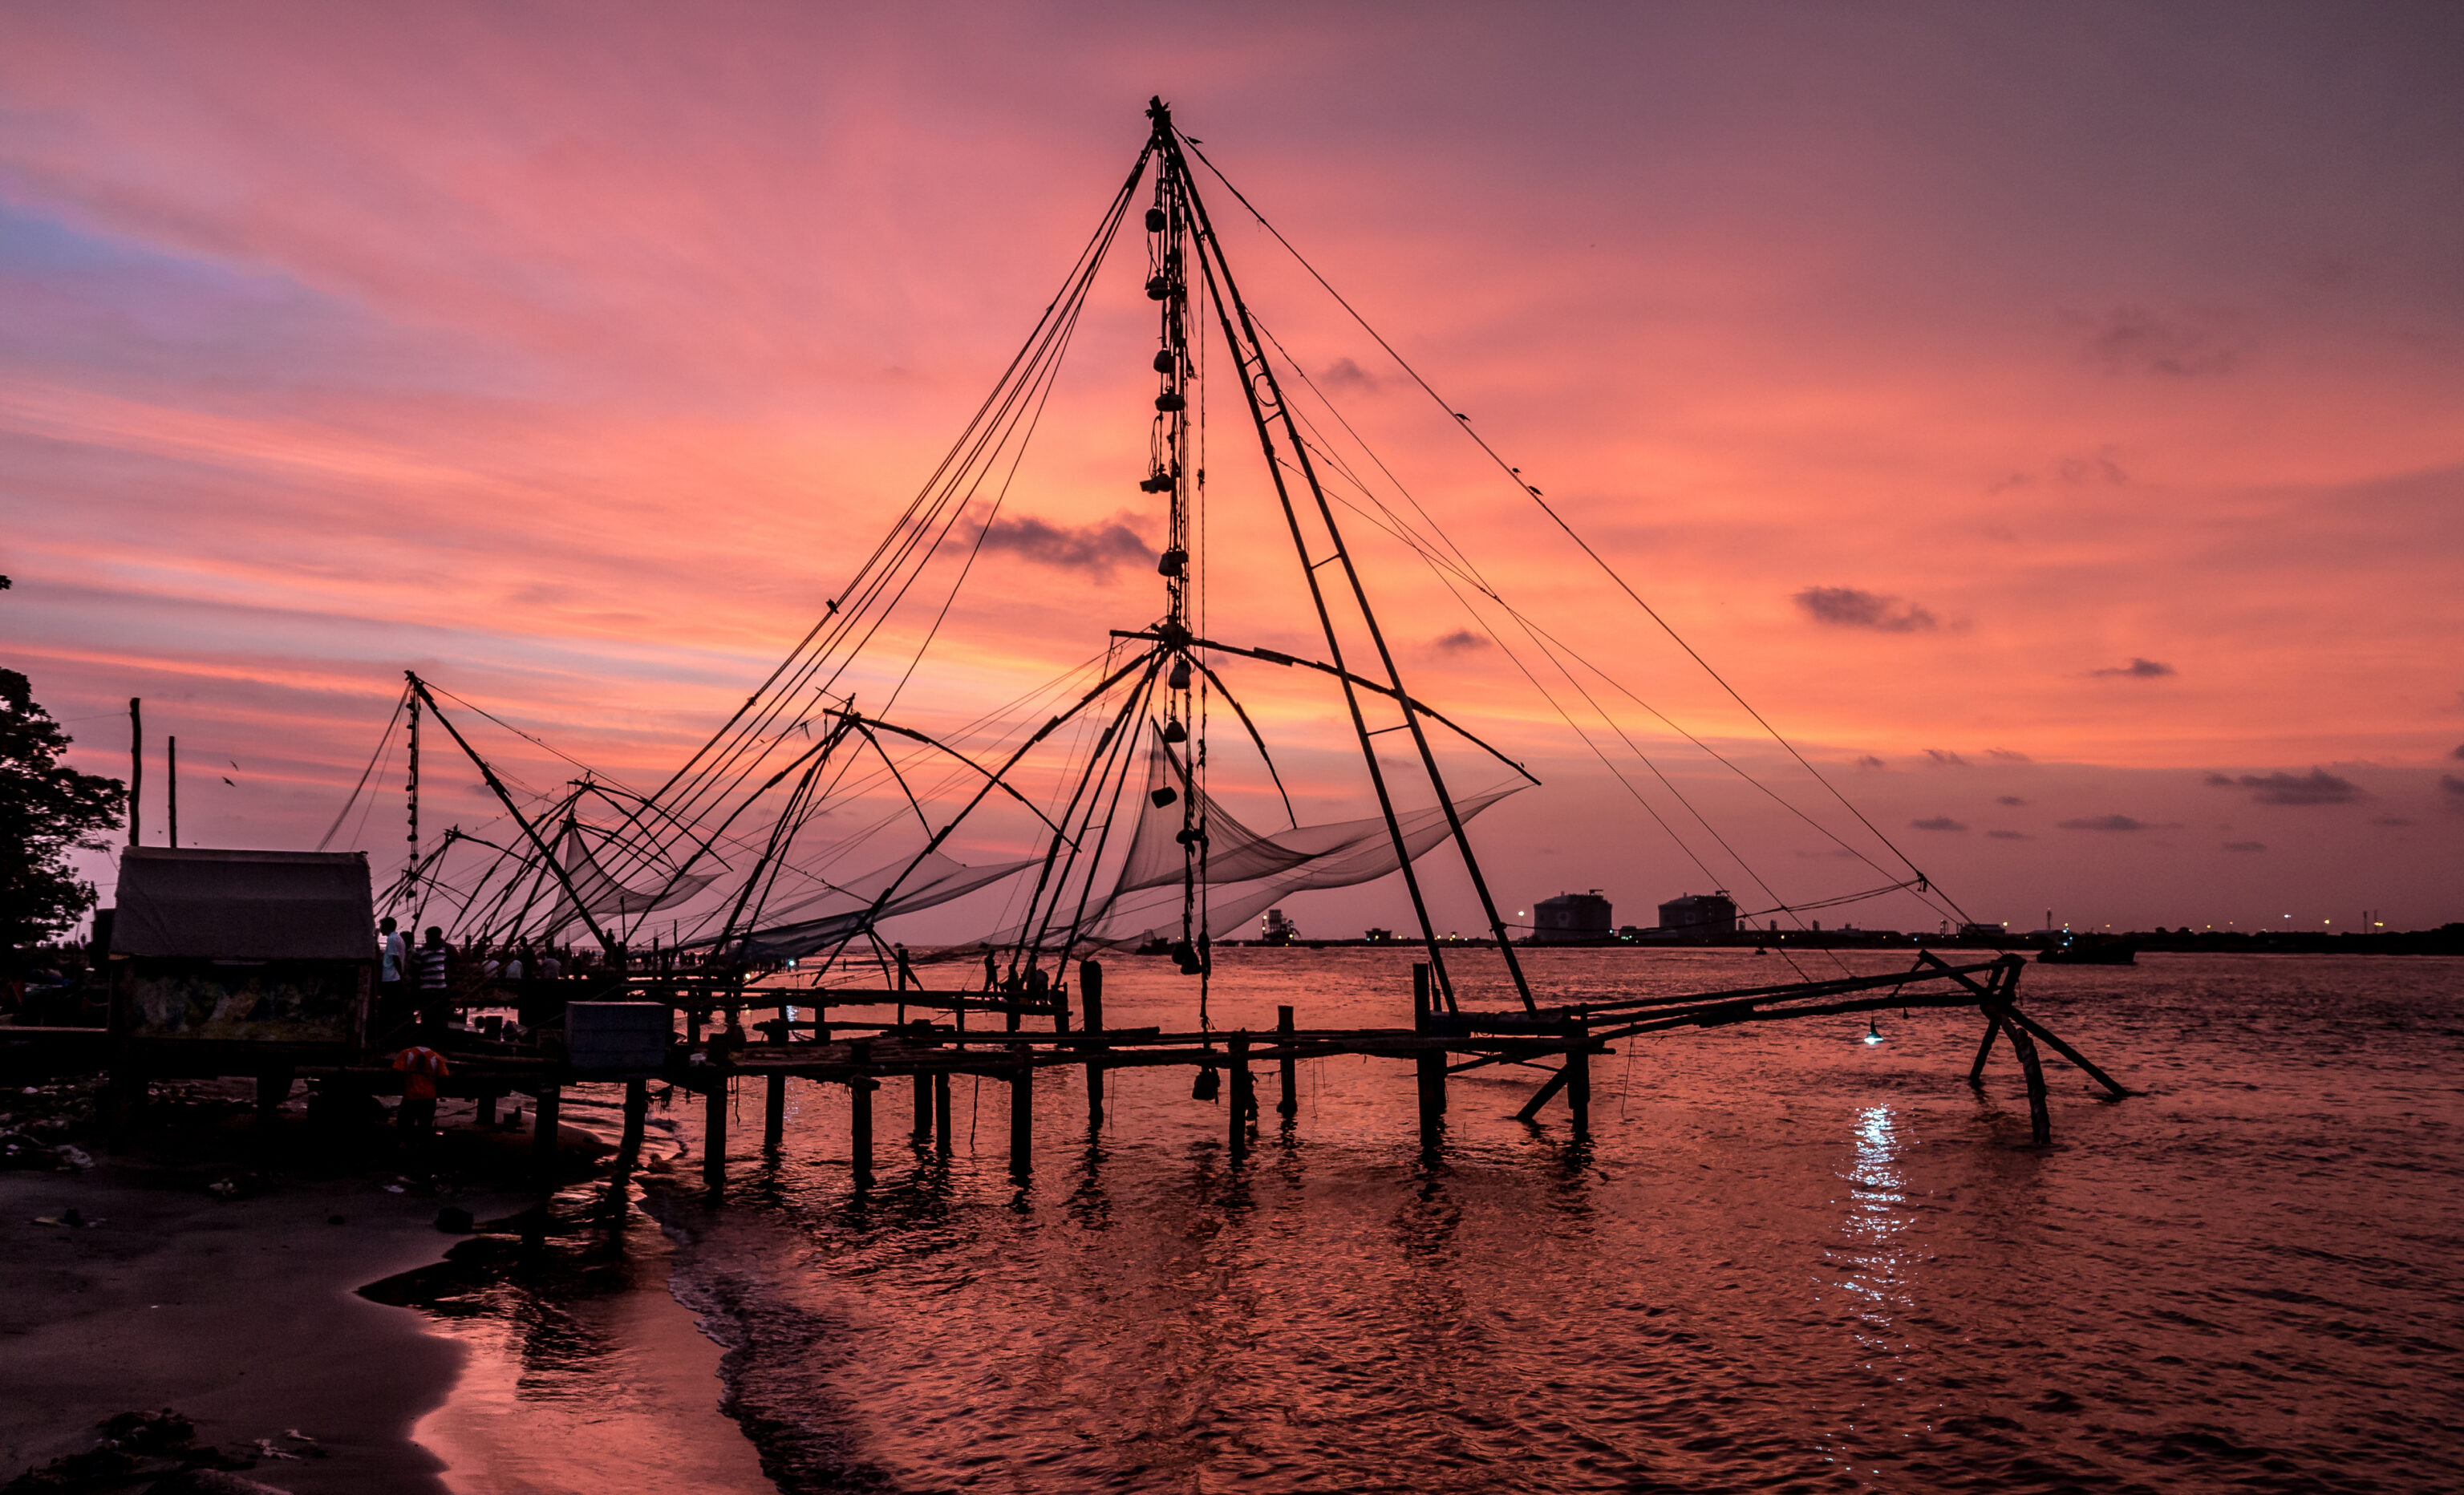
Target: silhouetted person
point(393, 976)
point(433, 965)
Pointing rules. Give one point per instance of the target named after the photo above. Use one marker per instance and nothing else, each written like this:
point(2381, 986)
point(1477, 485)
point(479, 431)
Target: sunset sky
point(2051, 418)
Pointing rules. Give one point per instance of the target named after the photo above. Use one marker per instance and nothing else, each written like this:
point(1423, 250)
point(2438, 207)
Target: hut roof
point(243, 905)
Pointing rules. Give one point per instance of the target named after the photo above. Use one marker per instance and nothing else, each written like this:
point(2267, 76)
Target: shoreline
point(322, 1302)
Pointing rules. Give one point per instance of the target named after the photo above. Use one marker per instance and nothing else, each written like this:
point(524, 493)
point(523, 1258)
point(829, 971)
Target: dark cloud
point(1345, 374)
point(1937, 823)
point(1463, 641)
point(1945, 759)
point(2245, 846)
point(2390, 820)
point(2097, 468)
point(2138, 340)
point(2452, 785)
point(1848, 607)
point(1869, 760)
point(2006, 756)
point(2009, 800)
point(2136, 669)
point(2010, 835)
point(2318, 786)
point(2459, 751)
point(1093, 548)
point(2106, 823)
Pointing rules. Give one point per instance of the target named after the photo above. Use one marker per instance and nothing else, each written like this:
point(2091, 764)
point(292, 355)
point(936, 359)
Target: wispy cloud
point(2139, 340)
point(2318, 786)
point(1345, 374)
point(1463, 641)
point(2136, 669)
point(2245, 846)
point(1943, 758)
point(2007, 755)
point(1869, 760)
point(2012, 799)
point(2010, 835)
point(1852, 607)
point(2108, 822)
point(1937, 823)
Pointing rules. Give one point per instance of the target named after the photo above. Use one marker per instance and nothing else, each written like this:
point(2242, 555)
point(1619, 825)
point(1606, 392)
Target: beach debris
point(72, 1159)
point(454, 1220)
point(233, 1186)
point(296, 1436)
point(394, 1188)
point(265, 1449)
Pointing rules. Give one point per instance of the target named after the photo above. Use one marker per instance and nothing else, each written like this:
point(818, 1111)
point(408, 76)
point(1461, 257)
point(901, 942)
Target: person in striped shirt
point(433, 964)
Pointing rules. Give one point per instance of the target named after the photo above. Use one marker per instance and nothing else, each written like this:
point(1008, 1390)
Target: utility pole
point(136, 764)
point(171, 762)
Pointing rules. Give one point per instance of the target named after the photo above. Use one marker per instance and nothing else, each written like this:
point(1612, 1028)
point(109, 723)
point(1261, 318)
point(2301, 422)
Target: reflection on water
point(1789, 1259)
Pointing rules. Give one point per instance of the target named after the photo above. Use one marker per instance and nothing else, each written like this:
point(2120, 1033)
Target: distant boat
point(2088, 950)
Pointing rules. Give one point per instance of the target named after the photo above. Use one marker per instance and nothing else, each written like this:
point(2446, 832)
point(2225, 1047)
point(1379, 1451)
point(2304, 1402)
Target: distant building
point(1276, 929)
point(1699, 916)
point(1569, 918)
point(1381, 936)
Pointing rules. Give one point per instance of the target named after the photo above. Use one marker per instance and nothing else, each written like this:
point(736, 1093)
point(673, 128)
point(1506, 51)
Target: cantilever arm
point(866, 724)
point(1276, 658)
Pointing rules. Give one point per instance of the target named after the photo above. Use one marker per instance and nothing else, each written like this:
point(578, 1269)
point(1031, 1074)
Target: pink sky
point(1930, 368)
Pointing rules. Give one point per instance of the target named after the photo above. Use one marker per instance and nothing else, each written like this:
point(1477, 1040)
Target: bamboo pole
point(774, 1114)
point(1022, 1119)
point(1432, 1098)
point(1091, 1009)
point(1244, 1098)
point(637, 1116)
point(941, 1114)
point(1984, 1050)
point(2041, 1122)
point(860, 1129)
point(543, 1125)
point(923, 1126)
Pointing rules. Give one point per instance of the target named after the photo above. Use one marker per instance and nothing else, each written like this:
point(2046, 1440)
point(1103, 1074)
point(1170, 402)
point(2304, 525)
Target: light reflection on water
point(1789, 1258)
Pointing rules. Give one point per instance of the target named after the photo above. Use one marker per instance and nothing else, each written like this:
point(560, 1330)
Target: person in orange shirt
point(421, 1069)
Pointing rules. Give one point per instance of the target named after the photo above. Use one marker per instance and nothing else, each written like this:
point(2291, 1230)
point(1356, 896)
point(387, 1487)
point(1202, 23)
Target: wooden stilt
point(637, 1116)
point(2110, 1083)
point(543, 1124)
point(1544, 1095)
point(923, 1129)
point(774, 1114)
point(1578, 1091)
point(1432, 1098)
point(1245, 1098)
point(713, 1135)
point(1287, 1101)
point(860, 1128)
point(941, 1114)
point(2040, 1121)
point(1091, 1009)
point(1022, 1119)
point(1984, 1050)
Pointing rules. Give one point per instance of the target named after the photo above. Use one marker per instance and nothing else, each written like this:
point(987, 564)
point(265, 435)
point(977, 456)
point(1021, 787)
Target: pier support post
point(1985, 1050)
point(2040, 1121)
point(860, 1129)
point(1288, 1099)
point(1090, 1008)
point(713, 1135)
point(1578, 1091)
point(1245, 1098)
point(941, 1113)
point(923, 1129)
point(543, 1125)
point(1022, 1116)
point(637, 1116)
point(1432, 1064)
point(774, 1114)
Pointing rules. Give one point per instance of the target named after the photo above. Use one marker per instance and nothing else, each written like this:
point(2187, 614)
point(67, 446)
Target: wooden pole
point(1985, 1050)
point(637, 1116)
point(1287, 1100)
point(2071, 1054)
point(1578, 1091)
point(860, 1128)
point(1545, 1095)
point(171, 778)
point(1433, 1096)
point(272, 1089)
point(1022, 1116)
point(713, 1135)
point(543, 1125)
point(941, 1114)
point(135, 766)
point(774, 1114)
point(1091, 1009)
point(923, 1127)
point(1244, 1097)
point(1420, 996)
point(2040, 1121)
point(483, 1110)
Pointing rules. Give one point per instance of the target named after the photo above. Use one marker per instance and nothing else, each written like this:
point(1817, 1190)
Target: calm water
point(1791, 1259)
